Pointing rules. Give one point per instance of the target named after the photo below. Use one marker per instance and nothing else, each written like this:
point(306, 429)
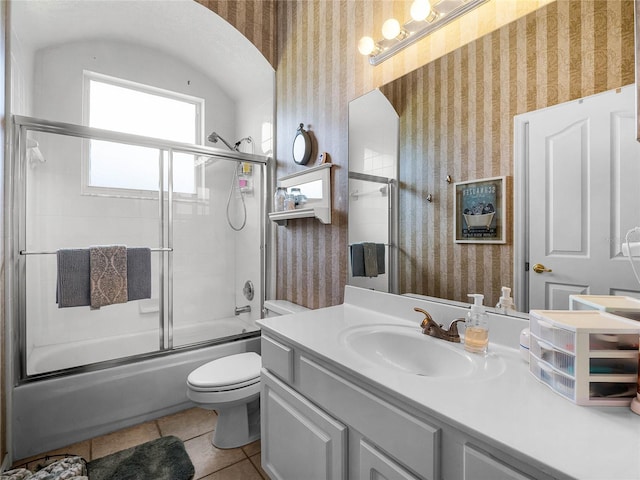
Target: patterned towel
point(108, 275)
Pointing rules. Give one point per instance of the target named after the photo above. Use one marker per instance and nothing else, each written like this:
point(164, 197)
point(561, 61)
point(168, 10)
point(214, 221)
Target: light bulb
point(420, 9)
point(366, 45)
point(391, 29)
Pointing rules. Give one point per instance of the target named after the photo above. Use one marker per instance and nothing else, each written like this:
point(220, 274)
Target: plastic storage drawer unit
point(589, 357)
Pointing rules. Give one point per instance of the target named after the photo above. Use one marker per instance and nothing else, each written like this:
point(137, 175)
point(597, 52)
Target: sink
point(406, 349)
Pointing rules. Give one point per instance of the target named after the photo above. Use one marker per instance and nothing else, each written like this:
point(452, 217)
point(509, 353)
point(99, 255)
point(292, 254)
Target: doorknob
point(539, 268)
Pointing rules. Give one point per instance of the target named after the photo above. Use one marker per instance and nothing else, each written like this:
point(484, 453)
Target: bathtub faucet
point(245, 309)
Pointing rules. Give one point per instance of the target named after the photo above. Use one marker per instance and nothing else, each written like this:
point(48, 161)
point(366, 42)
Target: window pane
point(132, 110)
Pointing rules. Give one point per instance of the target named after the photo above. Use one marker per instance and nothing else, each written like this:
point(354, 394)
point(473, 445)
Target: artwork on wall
point(480, 211)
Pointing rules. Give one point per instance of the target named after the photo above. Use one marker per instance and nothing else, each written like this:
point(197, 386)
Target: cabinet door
point(375, 465)
point(480, 466)
point(299, 441)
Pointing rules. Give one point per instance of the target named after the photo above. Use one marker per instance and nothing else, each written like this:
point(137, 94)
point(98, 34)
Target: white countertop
point(511, 411)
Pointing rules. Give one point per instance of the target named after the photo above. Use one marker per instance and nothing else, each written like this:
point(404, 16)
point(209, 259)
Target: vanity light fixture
point(426, 17)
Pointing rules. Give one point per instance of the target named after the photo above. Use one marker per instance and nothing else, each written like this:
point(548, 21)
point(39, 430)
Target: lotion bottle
point(476, 335)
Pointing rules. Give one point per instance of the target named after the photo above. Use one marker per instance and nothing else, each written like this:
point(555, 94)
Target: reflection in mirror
point(373, 172)
point(456, 117)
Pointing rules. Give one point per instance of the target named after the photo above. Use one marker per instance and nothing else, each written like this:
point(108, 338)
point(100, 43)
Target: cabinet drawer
point(277, 358)
point(480, 466)
point(375, 464)
point(414, 443)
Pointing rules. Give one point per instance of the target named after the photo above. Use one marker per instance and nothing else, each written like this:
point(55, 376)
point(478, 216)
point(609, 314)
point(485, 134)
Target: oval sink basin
point(408, 350)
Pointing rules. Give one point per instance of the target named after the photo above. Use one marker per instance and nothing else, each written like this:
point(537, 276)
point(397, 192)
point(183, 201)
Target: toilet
point(231, 386)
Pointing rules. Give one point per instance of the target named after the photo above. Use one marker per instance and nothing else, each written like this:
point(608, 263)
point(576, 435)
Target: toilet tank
point(275, 308)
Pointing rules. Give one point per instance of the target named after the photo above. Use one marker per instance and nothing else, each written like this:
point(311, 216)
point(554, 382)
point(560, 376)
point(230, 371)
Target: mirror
point(301, 146)
point(373, 173)
point(456, 118)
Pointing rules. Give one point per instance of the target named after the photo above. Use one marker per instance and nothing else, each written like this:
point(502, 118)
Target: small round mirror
point(301, 146)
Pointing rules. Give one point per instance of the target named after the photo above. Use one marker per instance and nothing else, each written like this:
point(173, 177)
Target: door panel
point(584, 172)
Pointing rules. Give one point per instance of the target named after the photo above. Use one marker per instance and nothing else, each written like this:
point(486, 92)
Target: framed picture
point(480, 211)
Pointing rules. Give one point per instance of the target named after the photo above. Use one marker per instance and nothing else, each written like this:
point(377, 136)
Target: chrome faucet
point(245, 309)
point(431, 328)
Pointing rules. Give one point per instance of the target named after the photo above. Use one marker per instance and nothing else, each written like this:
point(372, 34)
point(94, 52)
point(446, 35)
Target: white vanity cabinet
point(319, 422)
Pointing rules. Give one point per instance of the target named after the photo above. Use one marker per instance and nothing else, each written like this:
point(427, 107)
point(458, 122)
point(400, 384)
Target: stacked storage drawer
point(589, 357)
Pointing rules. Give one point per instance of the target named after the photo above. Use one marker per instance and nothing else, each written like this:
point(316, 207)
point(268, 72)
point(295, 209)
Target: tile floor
point(193, 427)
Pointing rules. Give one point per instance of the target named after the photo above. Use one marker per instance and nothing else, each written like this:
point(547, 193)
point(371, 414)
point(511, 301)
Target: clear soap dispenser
point(506, 301)
point(476, 335)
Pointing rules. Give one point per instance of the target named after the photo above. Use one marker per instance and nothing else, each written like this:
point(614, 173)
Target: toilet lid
point(227, 371)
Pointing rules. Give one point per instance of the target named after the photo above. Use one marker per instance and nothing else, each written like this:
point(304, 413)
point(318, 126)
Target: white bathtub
point(50, 358)
point(53, 413)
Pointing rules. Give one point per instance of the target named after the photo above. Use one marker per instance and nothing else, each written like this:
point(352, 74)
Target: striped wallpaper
point(457, 119)
point(255, 19)
point(552, 52)
point(318, 72)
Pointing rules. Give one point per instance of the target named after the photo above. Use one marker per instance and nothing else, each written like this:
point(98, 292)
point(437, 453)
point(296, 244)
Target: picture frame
point(480, 211)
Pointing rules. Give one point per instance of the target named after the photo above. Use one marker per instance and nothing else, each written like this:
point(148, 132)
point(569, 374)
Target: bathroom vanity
point(356, 391)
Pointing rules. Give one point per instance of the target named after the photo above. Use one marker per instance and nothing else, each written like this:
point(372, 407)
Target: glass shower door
point(63, 210)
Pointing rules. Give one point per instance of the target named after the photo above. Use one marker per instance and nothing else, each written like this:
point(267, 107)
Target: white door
point(583, 196)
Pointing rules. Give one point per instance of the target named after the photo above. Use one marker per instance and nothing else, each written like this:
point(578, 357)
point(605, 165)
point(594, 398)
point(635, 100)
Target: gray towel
point(370, 259)
point(138, 273)
point(73, 286)
point(357, 260)
point(108, 266)
point(380, 251)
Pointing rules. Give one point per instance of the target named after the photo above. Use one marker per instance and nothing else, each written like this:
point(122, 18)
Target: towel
point(138, 273)
point(370, 259)
point(108, 275)
point(357, 260)
point(358, 263)
point(380, 252)
point(73, 284)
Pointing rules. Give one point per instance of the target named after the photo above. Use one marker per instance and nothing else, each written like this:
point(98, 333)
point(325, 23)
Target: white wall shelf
point(315, 184)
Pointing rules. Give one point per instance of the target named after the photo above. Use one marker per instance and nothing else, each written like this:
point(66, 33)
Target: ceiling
point(182, 28)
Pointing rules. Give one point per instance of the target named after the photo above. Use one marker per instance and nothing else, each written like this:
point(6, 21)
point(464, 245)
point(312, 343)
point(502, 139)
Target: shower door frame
point(15, 183)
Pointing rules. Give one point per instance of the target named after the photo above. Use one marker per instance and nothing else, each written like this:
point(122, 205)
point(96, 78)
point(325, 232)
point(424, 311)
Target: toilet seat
point(226, 373)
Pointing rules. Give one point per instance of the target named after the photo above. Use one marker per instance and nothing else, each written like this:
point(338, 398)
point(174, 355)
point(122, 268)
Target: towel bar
point(53, 252)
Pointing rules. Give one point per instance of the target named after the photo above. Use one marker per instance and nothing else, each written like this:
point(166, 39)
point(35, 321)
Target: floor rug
point(161, 459)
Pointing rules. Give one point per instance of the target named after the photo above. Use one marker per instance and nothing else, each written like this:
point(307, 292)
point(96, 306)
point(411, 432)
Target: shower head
point(239, 142)
point(214, 137)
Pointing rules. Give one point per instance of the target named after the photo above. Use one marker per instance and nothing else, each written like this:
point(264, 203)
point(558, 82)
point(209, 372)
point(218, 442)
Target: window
point(124, 106)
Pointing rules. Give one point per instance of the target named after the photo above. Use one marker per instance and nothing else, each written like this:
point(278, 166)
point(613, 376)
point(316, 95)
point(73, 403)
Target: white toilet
point(231, 386)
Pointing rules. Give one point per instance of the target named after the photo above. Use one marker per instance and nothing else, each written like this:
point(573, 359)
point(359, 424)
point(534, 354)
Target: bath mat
point(161, 459)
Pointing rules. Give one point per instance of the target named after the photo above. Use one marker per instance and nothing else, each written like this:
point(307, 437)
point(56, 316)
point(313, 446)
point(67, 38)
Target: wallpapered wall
point(456, 118)
point(318, 71)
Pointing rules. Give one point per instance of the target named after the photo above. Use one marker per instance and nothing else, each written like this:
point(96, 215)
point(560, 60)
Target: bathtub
point(50, 358)
point(51, 413)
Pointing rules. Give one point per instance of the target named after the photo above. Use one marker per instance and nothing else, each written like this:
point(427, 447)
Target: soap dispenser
point(476, 335)
point(506, 301)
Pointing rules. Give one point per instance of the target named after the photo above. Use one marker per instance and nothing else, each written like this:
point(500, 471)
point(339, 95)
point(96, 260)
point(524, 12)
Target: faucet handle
point(427, 317)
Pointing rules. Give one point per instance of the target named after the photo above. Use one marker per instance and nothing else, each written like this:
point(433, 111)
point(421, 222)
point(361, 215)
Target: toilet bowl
point(231, 386)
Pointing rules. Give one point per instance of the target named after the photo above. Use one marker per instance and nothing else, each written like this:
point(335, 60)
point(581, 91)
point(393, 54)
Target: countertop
point(511, 411)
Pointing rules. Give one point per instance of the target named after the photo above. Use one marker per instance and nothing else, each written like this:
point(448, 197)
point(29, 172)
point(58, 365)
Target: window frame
point(86, 188)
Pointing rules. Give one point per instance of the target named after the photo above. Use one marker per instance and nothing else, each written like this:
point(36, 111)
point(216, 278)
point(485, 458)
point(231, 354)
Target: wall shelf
point(315, 184)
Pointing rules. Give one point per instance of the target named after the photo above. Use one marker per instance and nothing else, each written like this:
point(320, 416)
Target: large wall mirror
point(456, 124)
point(373, 173)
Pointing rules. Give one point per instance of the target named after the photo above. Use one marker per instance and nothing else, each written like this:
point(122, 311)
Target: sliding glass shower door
point(185, 206)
